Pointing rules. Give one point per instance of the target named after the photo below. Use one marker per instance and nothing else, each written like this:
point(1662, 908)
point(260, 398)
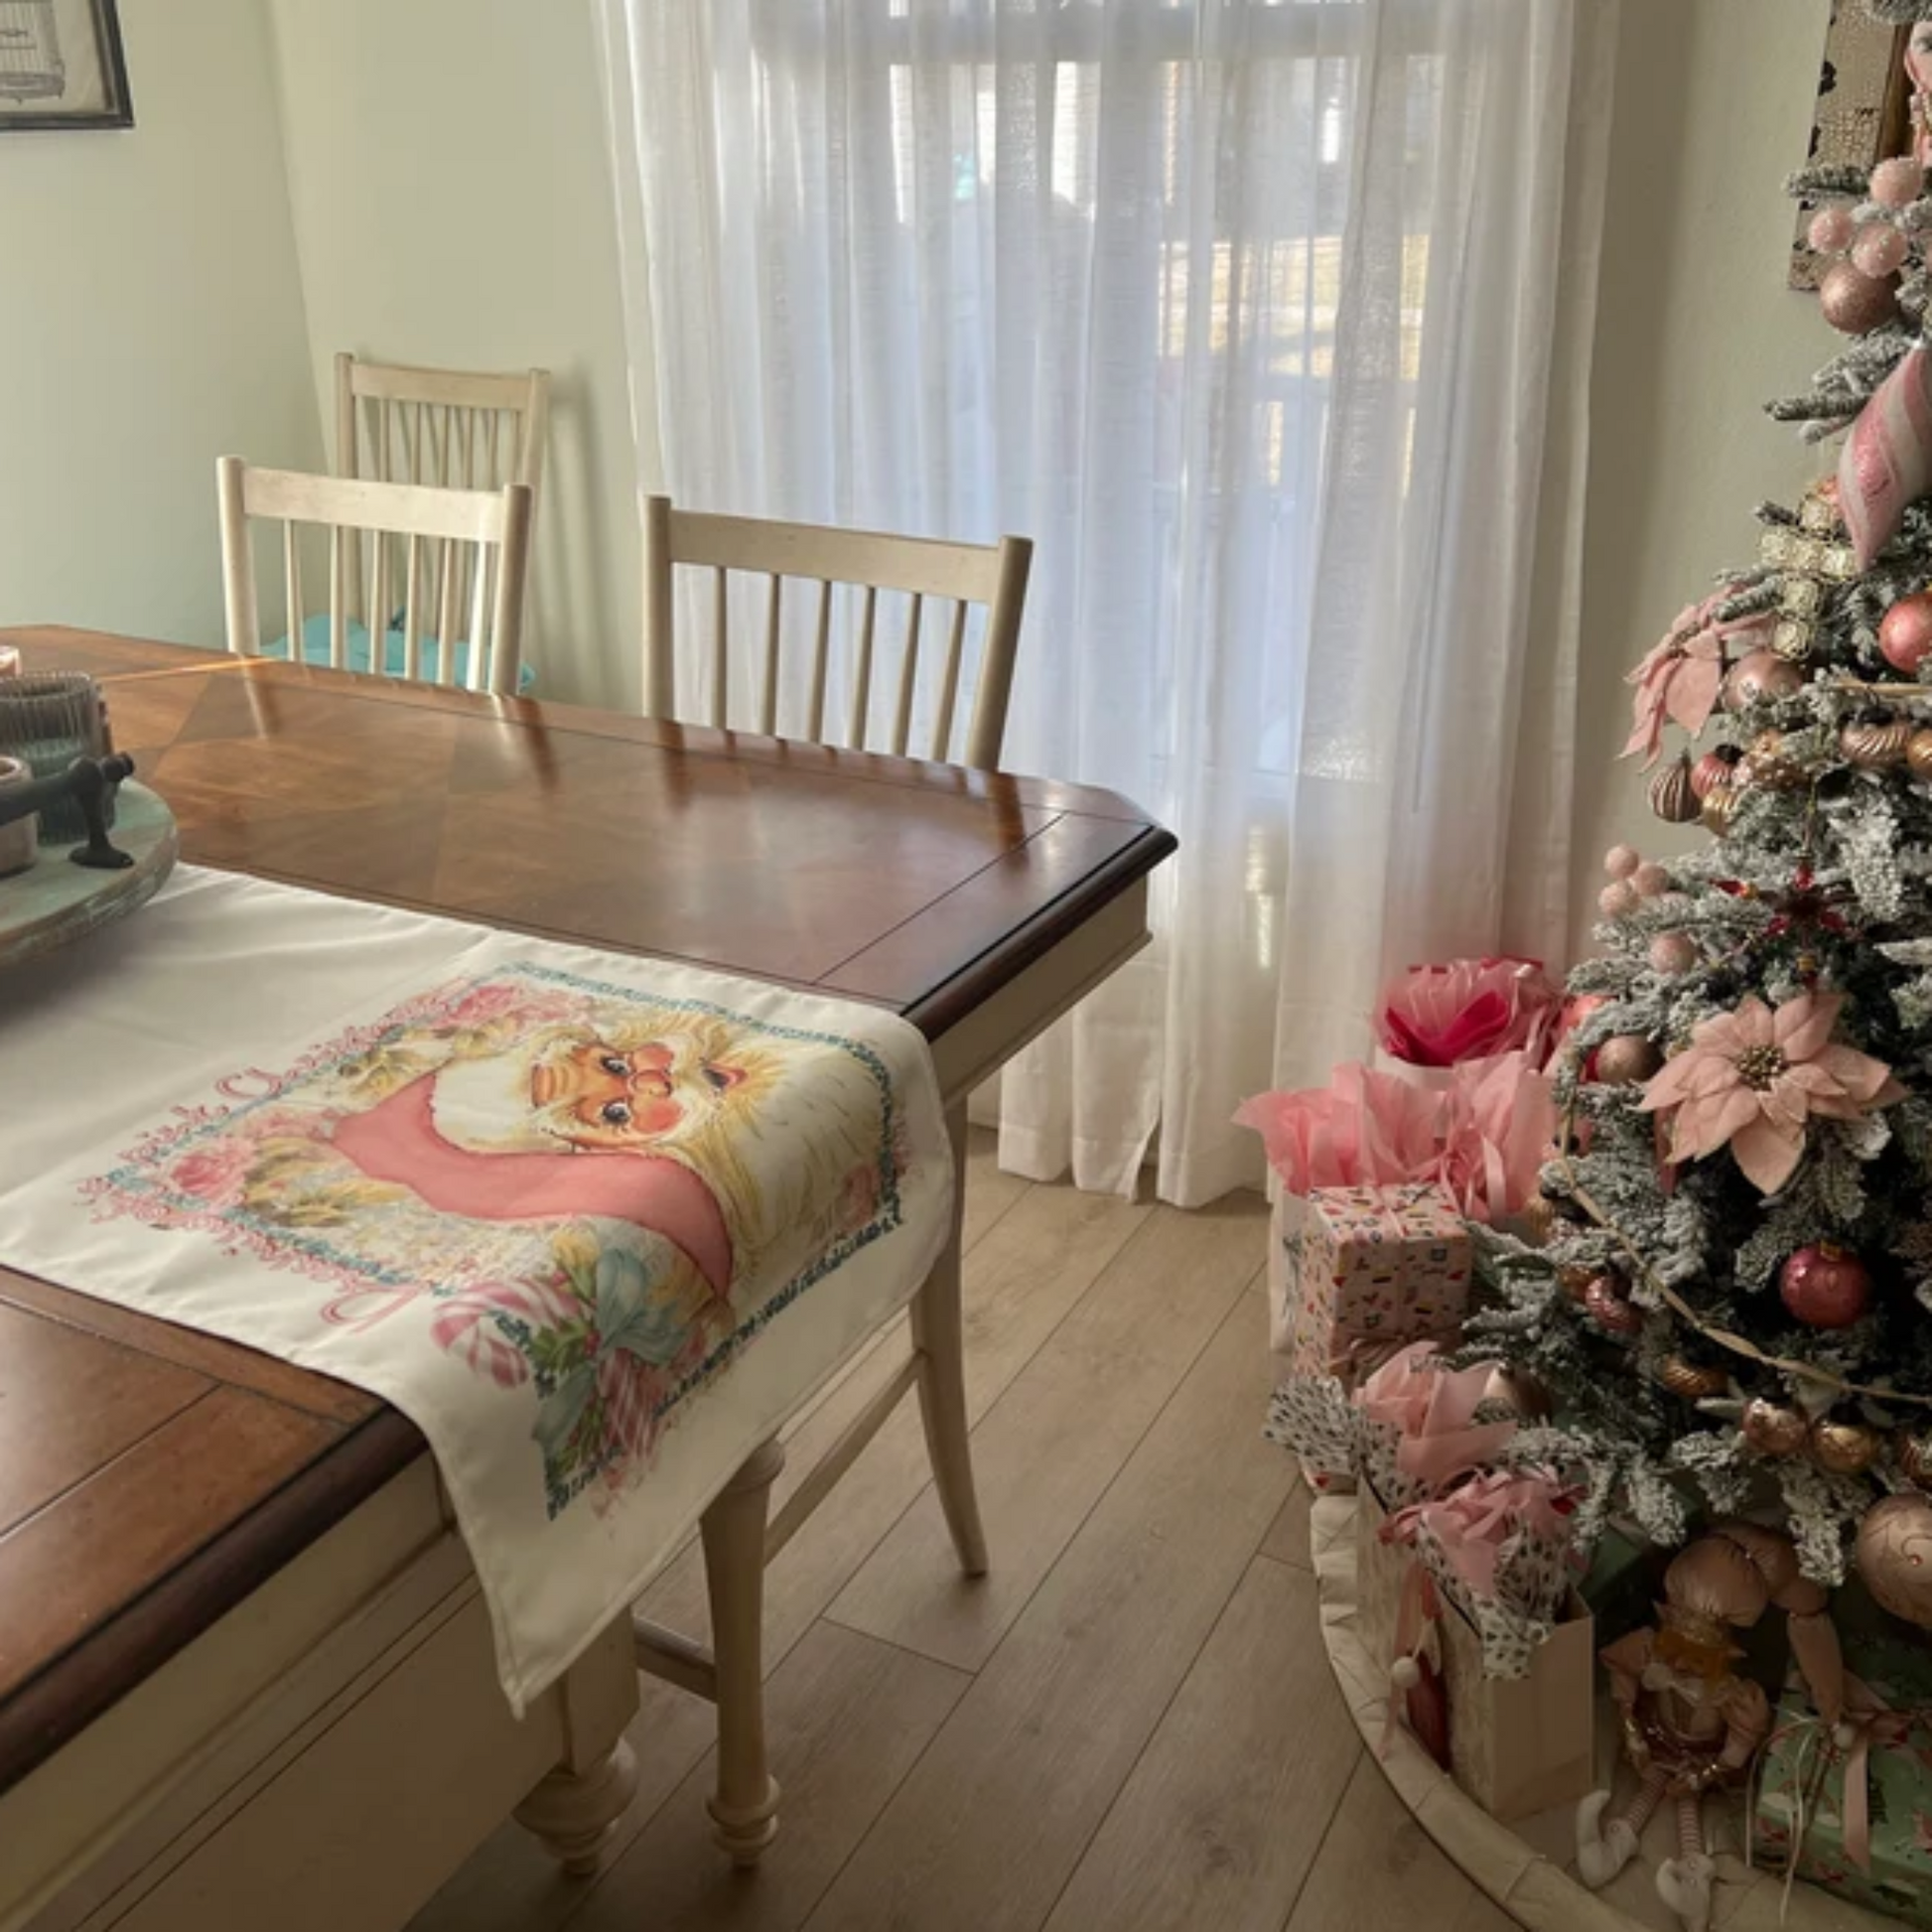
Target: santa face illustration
point(576, 1092)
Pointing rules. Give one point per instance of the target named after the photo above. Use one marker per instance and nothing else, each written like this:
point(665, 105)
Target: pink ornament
point(1825, 1286)
point(1829, 233)
point(1713, 770)
point(1673, 952)
point(1855, 303)
point(1620, 861)
point(1617, 899)
point(1880, 250)
point(1761, 675)
point(1649, 880)
point(1906, 633)
point(1898, 182)
point(1610, 1311)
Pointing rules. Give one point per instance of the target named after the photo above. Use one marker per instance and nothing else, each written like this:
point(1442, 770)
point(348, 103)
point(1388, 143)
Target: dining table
point(245, 1674)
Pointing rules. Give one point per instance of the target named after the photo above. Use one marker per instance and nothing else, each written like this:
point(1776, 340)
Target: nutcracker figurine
point(1690, 1722)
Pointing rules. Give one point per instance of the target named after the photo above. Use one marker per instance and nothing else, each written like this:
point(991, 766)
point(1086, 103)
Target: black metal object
point(89, 782)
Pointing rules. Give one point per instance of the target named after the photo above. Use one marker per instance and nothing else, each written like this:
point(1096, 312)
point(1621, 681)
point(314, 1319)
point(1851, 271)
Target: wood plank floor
point(1127, 1726)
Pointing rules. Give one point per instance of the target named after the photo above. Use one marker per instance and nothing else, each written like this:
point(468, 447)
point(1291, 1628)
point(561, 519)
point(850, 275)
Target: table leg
point(939, 1336)
point(575, 1812)
point(744, 1806)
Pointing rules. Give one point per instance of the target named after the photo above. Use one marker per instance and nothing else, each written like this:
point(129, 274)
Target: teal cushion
point(357, 654)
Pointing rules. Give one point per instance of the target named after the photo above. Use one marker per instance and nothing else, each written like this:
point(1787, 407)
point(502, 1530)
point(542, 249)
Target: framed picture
point(1863, 113)
point(60, 66)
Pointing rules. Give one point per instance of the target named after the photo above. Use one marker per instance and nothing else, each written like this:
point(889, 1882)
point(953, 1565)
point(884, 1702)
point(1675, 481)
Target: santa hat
point(396, 1141)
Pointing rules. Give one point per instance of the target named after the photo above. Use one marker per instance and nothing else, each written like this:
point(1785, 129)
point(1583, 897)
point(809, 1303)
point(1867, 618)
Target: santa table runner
point(594, 1223)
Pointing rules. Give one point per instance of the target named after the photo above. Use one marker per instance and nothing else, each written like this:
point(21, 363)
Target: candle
point(19, 841)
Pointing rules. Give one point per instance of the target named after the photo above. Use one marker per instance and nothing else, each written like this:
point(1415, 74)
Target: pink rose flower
point(214, 1172)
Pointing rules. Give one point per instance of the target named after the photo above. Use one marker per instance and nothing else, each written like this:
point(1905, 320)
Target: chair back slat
point(916, 569)
point(821, 658)
point(413, 522)
point(908, 678)
point(950, 680)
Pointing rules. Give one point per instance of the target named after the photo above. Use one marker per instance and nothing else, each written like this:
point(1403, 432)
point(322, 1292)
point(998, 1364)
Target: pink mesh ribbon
point(1468, 1010)
point(1887, 461)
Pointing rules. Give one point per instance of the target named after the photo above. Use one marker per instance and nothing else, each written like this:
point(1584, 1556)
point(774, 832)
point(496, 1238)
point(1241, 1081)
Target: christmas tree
point(1733, 1299)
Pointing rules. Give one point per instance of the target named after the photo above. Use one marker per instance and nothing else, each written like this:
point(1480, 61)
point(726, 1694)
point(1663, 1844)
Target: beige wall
point(453, 206)
point(1696, 331)
point(150, 320)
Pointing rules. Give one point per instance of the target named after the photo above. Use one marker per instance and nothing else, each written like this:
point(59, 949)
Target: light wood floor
point(1127, 1726)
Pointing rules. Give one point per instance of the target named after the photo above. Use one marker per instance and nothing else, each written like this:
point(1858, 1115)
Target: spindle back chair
point(442, 538)
point(453, 429)
point(964, 574)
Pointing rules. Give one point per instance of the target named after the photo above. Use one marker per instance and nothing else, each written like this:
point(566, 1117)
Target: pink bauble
point(1825, 1286)
point(1609, 1309)
point(1649, 880)
point(1855, 303)
point(1906, 633)
point(1617, 898)
point(1673, 952)
point(1896, 1556)
point(1879, 249)
point(1831, 230)
point(1713, 770)
point(1898, 182)
point(1620, 861)
point(1764, 674)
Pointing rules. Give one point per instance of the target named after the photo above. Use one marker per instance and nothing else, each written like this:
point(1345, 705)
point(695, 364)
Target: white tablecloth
point(594, 1223)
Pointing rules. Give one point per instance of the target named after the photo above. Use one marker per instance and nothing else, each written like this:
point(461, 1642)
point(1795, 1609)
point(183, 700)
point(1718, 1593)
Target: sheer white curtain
point(1247, 311)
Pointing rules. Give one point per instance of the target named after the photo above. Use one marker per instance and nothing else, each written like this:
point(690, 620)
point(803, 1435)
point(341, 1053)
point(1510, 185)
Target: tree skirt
point(1528, 1867)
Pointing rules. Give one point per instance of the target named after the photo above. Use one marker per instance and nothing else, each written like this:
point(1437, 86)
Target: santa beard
point(485, 1105)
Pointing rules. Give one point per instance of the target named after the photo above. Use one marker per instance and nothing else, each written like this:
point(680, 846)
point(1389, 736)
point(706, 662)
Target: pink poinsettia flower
point(1681, 676)
point(1752, 1079)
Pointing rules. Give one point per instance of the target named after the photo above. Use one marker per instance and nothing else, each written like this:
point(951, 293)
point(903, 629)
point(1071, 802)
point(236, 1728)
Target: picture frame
point(62, 67)
point(1862, 114)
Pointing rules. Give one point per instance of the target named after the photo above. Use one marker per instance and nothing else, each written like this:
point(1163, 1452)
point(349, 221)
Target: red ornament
point(1826, 1286)
point(1906, 633)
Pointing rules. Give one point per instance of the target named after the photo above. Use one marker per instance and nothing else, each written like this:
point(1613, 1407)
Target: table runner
point(546, 1200)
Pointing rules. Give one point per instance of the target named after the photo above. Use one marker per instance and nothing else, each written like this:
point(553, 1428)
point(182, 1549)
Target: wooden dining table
point(245, 1675)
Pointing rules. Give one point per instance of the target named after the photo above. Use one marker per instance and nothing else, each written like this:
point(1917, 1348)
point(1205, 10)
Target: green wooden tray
point(56, 900)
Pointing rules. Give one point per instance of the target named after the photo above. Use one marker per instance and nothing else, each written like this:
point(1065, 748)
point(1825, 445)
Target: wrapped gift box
point(1369, 1268)
point(1517, 1745)
point(1799, 1809)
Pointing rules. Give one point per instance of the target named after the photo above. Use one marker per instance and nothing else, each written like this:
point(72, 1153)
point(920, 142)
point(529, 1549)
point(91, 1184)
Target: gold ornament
point(1672, 797)
point(1769, 764)
point(1913, 1452)
point(1538, 1216)
point(1626, 1059)
point(1719, 807)
point(1918, 755)
point(1875, 744)
point(1806, 560)
point(1574, 1281)
point(1694, 1381)
point(1846, 1449)
point(1606, 1305)
point(1896, 1556)
point(1773, 1430)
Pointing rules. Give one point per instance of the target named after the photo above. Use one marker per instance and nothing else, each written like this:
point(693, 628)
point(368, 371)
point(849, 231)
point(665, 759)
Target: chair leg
point(939, 1336)
point(744, 1809)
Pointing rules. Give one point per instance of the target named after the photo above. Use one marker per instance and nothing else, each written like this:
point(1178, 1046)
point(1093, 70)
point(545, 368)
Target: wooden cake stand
point(1528, 1867)
point(55, 902)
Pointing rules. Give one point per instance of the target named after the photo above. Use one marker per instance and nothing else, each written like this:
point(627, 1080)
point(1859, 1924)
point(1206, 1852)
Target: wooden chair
point(449, 428)
point(965, 573)
point(443, 539)
point(739, 1533)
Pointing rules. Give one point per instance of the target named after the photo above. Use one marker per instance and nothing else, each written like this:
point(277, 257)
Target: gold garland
point(1725, 1338)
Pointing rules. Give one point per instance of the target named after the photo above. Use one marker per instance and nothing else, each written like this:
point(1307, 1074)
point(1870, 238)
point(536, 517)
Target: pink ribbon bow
point(1431, 1410)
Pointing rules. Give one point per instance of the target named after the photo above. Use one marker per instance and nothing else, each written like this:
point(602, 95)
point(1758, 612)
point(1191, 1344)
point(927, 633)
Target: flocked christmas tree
point(1735, 1293)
